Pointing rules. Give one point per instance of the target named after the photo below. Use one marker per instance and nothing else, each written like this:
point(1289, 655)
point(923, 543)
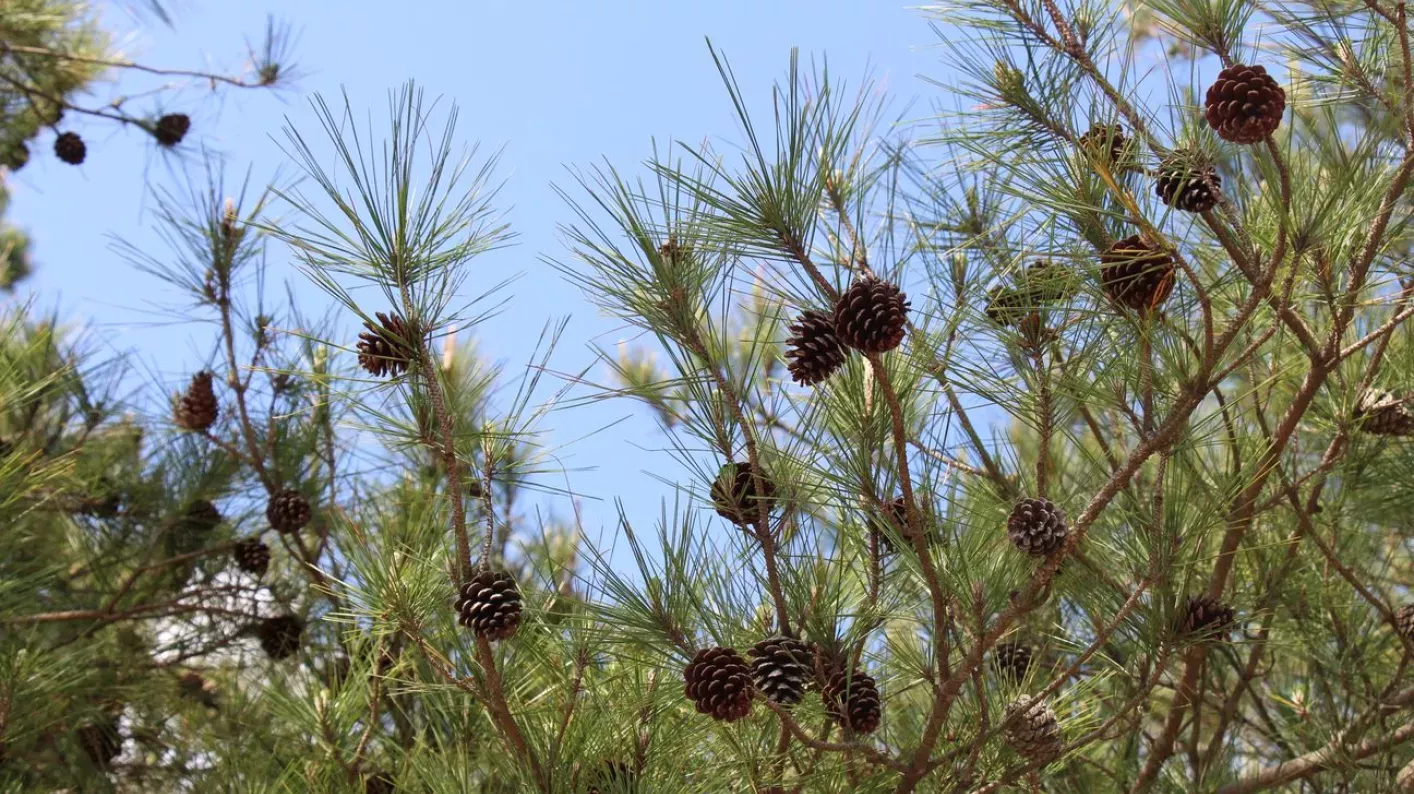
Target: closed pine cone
point(197, 408)
point(852, 701)
point(1107, 140)
point(386, 348)
point(288, 511)
point(280, 636)
point(1031, 730)
point(734, 494)
point(1205, 617)
point(252, 556)
point(1012, 660)
point(70, 148)
point(1037, 527)
point(781, 667)
point(1187, 185)
point(1136, 275)
point(1404, 618)
point(489, 604)
point(171, 129)
point(1383, 413)
point(718, 682)
point(896, 514)
point(871, 316)
point(812, 350)
point(1244, 105)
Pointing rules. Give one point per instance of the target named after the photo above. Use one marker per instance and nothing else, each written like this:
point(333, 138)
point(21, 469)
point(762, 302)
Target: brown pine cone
point(252, 556)
point(718, 682)
point(489, 604)
point(102, 741)
point(1031, 730)
point(171, 129)
point(852, 701)
point(1037, 527)
point(288, 511)
point(896, 513)
point(1107, 140)
point(197, 408)
point(1012, 660)
point(1404, 618)
point(1384, 413)
point(1136, 275)
point(1189, 186)
point(871, 316)
point(70, 148)
point(1245, 104)
point(387, 348)
point(781, 667)
point(1205, 617)
point(812, 350)
point(734, 494)
point(280, 636)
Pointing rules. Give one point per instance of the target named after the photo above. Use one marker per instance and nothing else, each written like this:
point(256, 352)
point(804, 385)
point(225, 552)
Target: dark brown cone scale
point(197, 408)
point(1404, 618)
point(813, 351)
point(612, 777)
point(871, 316)
point(718, 682)
point(1135, 275)
point(252, 556)
point(1206, 618)
point(489, 604)
point(734, 494)
point(101, 741)
point(1012, 660)
point(386, 348)
point(1188, 187)
point(171, 129)
point(288, 511)
point(1108, 140)
point(280, 636)
point(852, 701)
point(1031, 730)
point(70, 148)
point(1384, 413)
point(1037, 527)
point(781, 667)
point(1244, 105)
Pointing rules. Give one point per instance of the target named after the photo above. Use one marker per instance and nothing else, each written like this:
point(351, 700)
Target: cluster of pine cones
point(69, 146)
point(871, 317)
point(721, 683)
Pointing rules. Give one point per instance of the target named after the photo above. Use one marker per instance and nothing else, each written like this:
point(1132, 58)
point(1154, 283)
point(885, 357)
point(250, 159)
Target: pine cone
point(1404, 618)
point(1031, 730)
point(280, 636)
point(1107, 140)
point(101, 741)
point(1187, 186)
point(70, 148)
point(718, 682)
point(1205, 618)
point(15, 157)
point(1012, 660)
point(1037, 527)
point(490, 605)
point(197, 409)
point(613, 777)
point(1245, 104)
point(734, 494)
point(896, 512)
point(200, 517)
point(781, 667)
point(871, 316)
point(1008, 306)
point(252, 556)
point(1384, 413)
point(171, 129)
point(852, 701)
point(1135, 275)
point(288, 511)
point(379, 783)
point(197, 687)
point(812, 349)
point(387, 348)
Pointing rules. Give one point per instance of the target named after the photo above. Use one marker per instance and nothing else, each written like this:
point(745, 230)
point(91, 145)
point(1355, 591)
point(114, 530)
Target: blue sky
point(556, 83)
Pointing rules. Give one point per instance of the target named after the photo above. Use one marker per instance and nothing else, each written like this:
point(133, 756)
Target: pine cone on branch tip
point(781, 667)
point(1187, 185)
point(280, 636)
point(1031, 729)
point(490, 605)
point(70, 148)
point(871, 316)
point(1404, 619)
point(718, 682)
point(1135, 275)
point(387, 348)
point(197, 408)
point(252, 556)
point(288, 511)
point(1244, 105)
point(1012, 660)
point(813, 351)
point(734, 494)
point(171, 129)
point(1384, 413)
point(1037, 527)
point(852, 701)
point(1205, 617)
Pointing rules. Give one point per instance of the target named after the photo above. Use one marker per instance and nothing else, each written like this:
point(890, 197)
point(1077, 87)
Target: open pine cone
point(1244, 105)
point(718, 682)
point(1136, 275)
point(813, 351)
point(489, 604)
